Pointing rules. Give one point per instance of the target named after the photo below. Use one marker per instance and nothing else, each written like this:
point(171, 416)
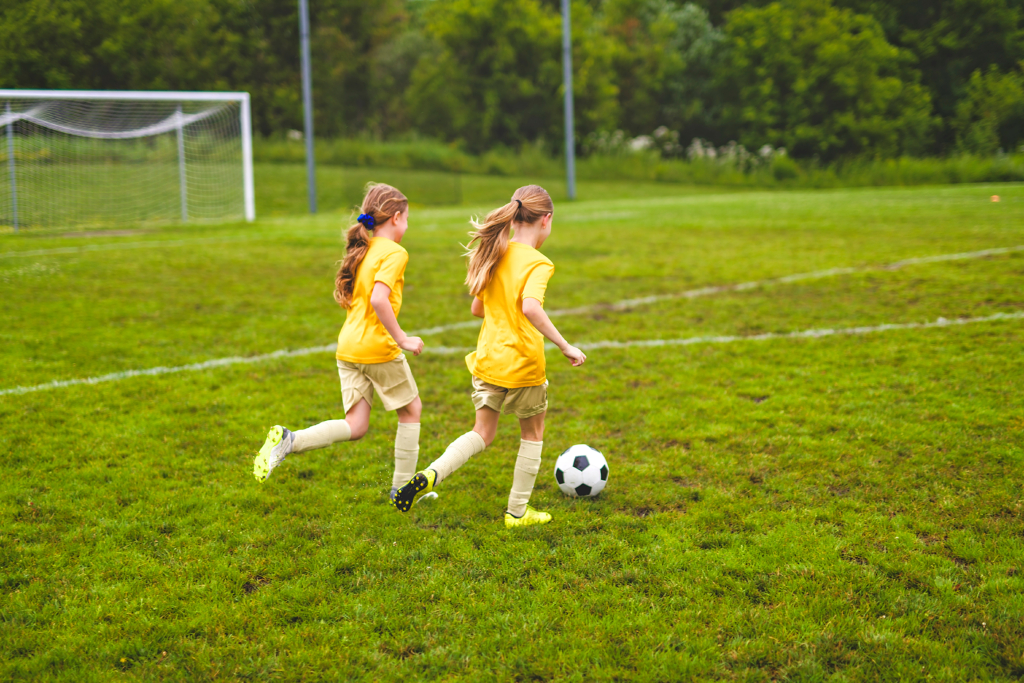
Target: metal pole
point(570, 132)
point(248, 192)
point(307, 102)
point(182, 179)
point(11, 167)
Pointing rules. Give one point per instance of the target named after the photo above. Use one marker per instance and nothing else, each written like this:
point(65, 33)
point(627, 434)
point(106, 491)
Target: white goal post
point(74, 158)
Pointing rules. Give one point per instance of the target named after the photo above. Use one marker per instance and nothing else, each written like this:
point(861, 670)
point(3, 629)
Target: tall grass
point(783, 172)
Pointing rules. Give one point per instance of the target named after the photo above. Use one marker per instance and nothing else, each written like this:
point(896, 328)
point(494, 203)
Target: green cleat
point(529, 518)
point(277, 446)
point(421, 485)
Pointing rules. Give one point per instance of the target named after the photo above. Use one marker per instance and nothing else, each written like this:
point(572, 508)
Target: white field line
point(618, 306)
point(450, 350)
point(627, 304)
point(802, 334)
point(799, 277)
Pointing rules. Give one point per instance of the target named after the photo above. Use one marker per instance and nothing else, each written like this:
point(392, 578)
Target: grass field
point(844, 507)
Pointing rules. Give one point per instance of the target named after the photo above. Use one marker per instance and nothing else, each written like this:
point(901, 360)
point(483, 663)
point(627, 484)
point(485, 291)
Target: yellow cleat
point(405, 497)
point(277, 446)
point(529, 518)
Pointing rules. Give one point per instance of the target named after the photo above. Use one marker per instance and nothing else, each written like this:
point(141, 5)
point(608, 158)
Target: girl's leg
point(527, 463)
point(407, 443)
point(352, 428)
point(282, 442)
point(454, 457)
point(467, 445)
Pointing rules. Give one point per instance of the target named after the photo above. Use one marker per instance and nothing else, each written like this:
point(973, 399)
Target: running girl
point(507, 277)
point(369, 285)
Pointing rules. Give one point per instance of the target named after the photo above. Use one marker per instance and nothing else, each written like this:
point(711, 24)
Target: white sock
point(527, 467)
point(321, 436)
point(456, 455)
point(407, 452)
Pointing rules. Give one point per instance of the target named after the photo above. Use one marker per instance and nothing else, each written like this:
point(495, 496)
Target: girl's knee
point(411, 412)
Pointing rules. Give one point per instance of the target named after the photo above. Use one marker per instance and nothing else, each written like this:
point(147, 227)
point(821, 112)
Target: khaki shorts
point(524, 402)
point(393, 381)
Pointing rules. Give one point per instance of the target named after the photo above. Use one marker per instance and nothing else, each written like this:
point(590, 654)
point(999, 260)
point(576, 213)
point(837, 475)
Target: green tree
point(950, 41)
point(991, 114)
point(206, 45)
point(664, 56)
point(494, 76)
point(820, 81)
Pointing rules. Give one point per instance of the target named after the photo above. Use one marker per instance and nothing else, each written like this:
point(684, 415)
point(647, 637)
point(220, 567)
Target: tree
point(494, 75)
point(950, 41)
point(663, 58)
point(205, 45)
point(822, 82)
point(991, 115)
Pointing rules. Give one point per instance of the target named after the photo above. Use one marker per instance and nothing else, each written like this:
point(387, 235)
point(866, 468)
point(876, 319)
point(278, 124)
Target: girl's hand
point(575, 355)
point(413, 345)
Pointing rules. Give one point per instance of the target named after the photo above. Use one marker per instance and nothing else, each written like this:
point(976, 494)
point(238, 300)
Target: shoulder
point(387, 247)
point(541, 262)
point(390, 251)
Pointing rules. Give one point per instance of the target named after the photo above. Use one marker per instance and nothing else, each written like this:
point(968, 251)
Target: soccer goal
point(83, 158)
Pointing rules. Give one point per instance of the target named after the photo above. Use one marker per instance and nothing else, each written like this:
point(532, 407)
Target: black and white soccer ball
point(581, 472)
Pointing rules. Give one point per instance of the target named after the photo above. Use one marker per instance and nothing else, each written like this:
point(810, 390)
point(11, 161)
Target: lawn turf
point(843, 508)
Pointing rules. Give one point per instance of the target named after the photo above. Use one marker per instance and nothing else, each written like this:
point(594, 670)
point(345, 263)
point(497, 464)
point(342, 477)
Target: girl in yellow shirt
point(507, 278)
point(369, 285)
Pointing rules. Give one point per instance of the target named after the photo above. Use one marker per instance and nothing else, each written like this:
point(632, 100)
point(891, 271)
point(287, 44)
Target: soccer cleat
point(420, 485)
point(426, 496)
point(277, 446)
point(529, 518)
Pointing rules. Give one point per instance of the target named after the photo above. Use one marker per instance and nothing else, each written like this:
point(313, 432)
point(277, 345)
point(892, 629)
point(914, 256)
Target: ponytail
point(491, 237)
point(379, 205)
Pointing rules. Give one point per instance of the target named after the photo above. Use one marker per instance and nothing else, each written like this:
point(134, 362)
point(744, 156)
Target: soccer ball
point(581, 471)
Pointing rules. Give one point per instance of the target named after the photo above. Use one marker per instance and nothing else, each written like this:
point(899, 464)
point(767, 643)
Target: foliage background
point(827, 80)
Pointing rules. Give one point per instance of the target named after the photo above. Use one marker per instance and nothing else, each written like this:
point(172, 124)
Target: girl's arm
point(381, 303)
point(534, 312)
point(477, 308)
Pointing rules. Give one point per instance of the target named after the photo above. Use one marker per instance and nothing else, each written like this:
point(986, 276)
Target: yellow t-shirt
point(510, 350)
point(363, 338)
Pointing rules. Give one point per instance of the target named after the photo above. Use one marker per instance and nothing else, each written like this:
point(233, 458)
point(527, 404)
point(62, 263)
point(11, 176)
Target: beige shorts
point(523, 402)
point(392, 380)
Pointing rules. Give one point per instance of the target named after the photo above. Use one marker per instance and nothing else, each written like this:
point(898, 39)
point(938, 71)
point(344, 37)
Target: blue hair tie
point(367, 220)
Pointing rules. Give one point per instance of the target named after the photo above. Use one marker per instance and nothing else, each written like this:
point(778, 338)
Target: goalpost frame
point(245, 119)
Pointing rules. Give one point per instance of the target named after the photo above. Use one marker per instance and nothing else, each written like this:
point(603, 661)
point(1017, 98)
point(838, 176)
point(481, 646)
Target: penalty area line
point(450, 350)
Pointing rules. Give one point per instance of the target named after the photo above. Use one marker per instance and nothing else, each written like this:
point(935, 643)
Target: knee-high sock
point(321, 435)
point(527, 467)
point(407, 452)
point(456, 455)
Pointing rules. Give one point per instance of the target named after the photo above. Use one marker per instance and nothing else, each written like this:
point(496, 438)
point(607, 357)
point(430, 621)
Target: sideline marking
point(802, 334)
point(786, 279)
point(450, 350)
point(617, 306)
point(627, 304)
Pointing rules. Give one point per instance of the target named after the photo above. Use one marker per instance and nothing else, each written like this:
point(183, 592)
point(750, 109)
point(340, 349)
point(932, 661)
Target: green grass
point(648, 166)
point(844, 508)
point(281, 188)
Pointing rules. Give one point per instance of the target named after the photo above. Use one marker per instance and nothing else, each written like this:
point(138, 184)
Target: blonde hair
point(381, 202)
point(491, 237)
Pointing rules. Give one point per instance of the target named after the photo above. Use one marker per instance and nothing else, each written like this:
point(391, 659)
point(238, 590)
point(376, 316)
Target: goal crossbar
point(176, 121)
point(154, 95)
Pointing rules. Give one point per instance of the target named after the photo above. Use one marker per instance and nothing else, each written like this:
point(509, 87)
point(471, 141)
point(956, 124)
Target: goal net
point(97, 158)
